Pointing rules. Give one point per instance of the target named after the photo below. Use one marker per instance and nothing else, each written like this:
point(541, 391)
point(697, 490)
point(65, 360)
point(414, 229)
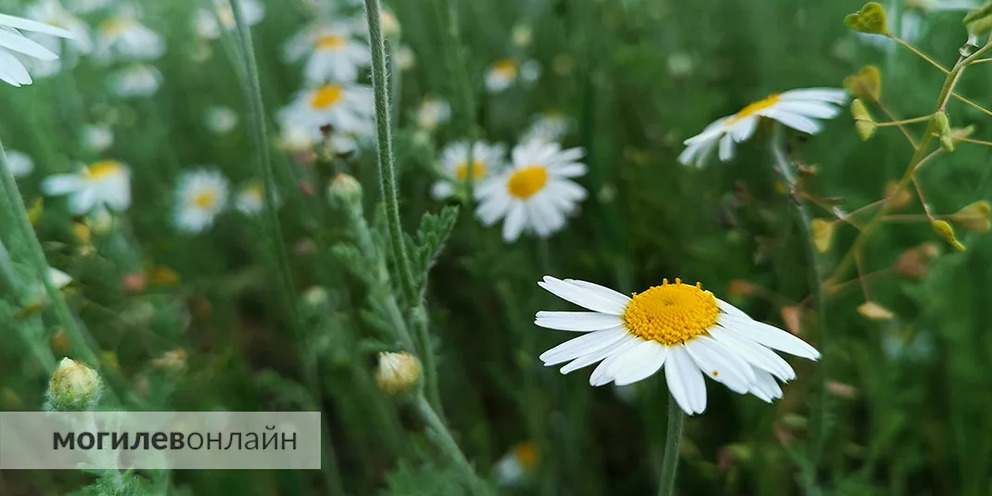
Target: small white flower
point(20, 164)
point(433, 112)
point(205, 21)
point(202, 194)
point(677, 326)
point(488, 160)
point(221, 120)
point(250, 199)
point(548, 127)
point(514, 467)
point(345, 108)
point(501, 75)
point(536, 193)
point(12, 70)
point(797, 109)
point(50, 12)
point(58, 278)
point(96, 138)
point(331, 51)
point(124, 38)
point(106, 183)
point(405, 58)
point(136, 81)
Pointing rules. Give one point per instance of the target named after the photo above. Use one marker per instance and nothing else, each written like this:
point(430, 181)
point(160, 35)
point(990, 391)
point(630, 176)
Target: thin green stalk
point(253, 95)
point(387, 168)
point(673, 437)
point(446, 443)
point(79, 341)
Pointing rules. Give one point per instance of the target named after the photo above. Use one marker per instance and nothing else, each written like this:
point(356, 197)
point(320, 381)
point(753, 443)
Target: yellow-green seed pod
point(946, 232)
point(976, 217)
point(979, 21)
point(866, 84)
point(870, 19)
point(864, 124)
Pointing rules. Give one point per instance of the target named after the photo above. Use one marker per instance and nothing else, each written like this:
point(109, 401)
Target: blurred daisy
point(344, 107)
point(250, 199)
point(12, 70)
point(106, 183)
point(501, 75)
point(20, 164)
point(677, 326)
point(136, 81)
point(487, 160)
point(516, 464)
point(221, 120)
point(548, 127)
point(86, 6)
point(124, 38)
point(206, 22)
point(96, 138)
point(433, 112)
point(536, 193)
point(202, 194)
point(405, 58)
point(332, 53)
point(50, 12)
point(797, 109)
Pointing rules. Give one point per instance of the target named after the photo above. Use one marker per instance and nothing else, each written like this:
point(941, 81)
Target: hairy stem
point(673, 438)
point(446, 443)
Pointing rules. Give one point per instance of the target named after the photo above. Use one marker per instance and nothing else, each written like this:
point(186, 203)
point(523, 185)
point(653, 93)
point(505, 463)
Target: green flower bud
point(73, 387)
point(864, 124)
point(979, 21)
point(946, 232)
point(397, 373)
point(976, 217)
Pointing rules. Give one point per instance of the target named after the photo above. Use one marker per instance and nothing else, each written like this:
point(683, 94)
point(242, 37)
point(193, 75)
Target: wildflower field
point(521, 247)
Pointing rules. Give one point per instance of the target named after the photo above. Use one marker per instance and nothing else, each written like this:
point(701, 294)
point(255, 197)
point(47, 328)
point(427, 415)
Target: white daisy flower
point(136, 81)
point(106, 183)
point(548, 127)
point(331, 51)
point(488, 160)
point(96, 138)
point(433, 112)
point(124, 38)
point(12, 70)
point(797, 109)
point(250, 199)
point(20, 164)
point(501, 75)
point(536, 193)
point(680, 327)
point(50, 12)
point(221, 120)
point(514, 467)
point(202, 194)
point(345, 108)
point(205, 21)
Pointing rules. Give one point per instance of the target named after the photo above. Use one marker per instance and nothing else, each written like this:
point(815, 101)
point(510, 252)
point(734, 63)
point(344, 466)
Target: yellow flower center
point(526, 182)
point(116, 26)
point(755, 108)
point(478, 170)
point(526, 454)
point(326, 97)
point(671, 314)
point(205, 200)
point(331, 42)
point(102, 170)
point(506, 68)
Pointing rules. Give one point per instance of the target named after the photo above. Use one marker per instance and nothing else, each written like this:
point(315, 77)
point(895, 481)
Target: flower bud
point(866, 84)
point(945, 231)
point(345, 190)
point(73, 387)
point(976, 217)
point(397, 372)
point(864, 124)
point(873, 311)
point(979, 21)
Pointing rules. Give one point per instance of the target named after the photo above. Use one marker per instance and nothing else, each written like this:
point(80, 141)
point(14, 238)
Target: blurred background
point(198, 318)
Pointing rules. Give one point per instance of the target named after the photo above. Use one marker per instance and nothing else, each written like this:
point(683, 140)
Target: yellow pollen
point(326, 96)
point(526, 182)
point(102, 170)
point(478, 170)
point(506, 68)
point(671, 314)
point(331, 42)
point(755, 108)
point(526, 454)
point(205, 200)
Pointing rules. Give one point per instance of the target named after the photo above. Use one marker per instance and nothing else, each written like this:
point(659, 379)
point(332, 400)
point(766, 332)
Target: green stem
point(446, 443)
point(79, 341)
point(387, 168)
point(253, 95)
point(669, 464)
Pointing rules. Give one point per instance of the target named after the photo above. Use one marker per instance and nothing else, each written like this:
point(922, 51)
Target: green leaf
point(433, 232)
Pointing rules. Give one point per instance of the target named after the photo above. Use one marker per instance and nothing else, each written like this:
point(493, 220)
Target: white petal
point(818, 110)
point(604, 291)
point(727, 147)
point(685, 381)
point(795, 121)
point(755, 354)
point(591, 358)
point(61, 184)
point(16, 42)
point(34, 26)
point(720, 364)
point(832, 95)
point(582, 345)
point(577, 321)
point(765, 385)
point(514, 222)
point(764, 334)
point(649, 361)
point(601, 375)
point(584, 295)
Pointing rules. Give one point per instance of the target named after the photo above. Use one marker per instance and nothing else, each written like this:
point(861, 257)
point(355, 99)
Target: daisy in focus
point(202, 194)
point(536, 193)
point(345, 108)
point(50, 12)
point(124, 38)
point(487, 160)
point(19, 163)
point(106, 183)
point(332, 52)
point(797, 109)
point(206, 22)
point(679, 327)
point(12, 70)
